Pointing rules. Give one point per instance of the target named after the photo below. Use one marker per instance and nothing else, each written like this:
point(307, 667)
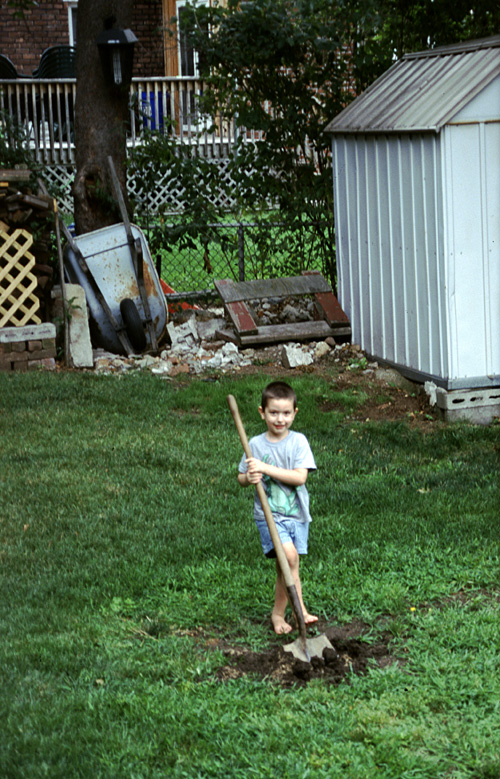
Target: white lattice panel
point(167, 195)
point(61, 176)
point(170, 195)
point(18, 303)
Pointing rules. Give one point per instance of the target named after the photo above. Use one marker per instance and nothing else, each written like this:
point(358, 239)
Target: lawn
point(129, 560)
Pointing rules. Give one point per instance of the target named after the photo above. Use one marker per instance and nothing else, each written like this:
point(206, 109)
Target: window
point(188, 60)
point(72, 13)
point(188, 57)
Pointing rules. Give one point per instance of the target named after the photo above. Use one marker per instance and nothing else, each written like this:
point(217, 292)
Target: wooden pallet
point(331, 321)
point(18, 303)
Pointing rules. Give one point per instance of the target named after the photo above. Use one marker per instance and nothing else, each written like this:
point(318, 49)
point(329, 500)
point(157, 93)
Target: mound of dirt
point(351, 654)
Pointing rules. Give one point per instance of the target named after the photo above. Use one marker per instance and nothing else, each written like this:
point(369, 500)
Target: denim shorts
point(288, 530)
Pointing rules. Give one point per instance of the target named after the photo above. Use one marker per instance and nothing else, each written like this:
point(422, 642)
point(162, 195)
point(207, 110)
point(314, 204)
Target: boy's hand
point(254, 470)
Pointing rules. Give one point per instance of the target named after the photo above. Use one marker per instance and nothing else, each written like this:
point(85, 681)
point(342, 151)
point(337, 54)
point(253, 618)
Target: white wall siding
point(472, 174)
point(390, 246)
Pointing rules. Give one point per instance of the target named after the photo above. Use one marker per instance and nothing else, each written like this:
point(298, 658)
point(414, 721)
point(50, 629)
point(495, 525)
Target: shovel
point(302, 648)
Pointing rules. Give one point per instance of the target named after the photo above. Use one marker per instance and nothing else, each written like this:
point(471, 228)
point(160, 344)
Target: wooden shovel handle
point(278, 546)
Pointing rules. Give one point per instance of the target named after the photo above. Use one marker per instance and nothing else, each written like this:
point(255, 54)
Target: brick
point(43, 354)
point(48, 343)
point(5, 364)
point(15, 357)
point(5, 348)
point(18, 346)
point(33, 345)
point(20, 367)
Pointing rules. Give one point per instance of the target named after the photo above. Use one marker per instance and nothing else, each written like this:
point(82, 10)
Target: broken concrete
point(294, 356)
point(80, 346)
point(184, 336)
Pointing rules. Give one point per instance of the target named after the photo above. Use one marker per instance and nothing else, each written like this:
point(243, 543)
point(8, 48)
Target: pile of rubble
point(195, 349)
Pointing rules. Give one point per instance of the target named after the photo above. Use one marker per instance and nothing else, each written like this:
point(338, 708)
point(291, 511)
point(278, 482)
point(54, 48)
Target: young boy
point(282, 459)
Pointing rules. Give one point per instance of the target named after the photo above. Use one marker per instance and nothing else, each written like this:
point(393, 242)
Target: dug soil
point(352, 653)
point(384, 394)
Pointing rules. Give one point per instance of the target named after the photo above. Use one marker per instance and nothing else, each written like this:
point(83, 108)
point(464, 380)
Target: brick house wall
point(147, 25)
point(24, 40)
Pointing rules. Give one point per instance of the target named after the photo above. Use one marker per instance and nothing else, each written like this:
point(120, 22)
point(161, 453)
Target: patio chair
point(7, 68)
point(57, 62)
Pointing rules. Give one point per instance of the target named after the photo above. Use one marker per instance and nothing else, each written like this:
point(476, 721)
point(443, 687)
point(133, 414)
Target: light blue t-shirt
point(291, 452)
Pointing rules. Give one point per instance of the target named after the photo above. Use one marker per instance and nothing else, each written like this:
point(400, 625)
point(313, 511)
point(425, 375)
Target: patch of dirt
point(387, 396)
point(351, 654)
point(385, 402)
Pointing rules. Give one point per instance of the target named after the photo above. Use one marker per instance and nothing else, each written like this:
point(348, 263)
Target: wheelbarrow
point(127, 306)
point(102, 263)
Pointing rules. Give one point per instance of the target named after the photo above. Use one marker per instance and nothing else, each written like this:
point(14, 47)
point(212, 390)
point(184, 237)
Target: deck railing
point(45, 109)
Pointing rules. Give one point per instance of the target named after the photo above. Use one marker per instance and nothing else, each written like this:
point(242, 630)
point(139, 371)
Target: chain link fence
point(190, 257)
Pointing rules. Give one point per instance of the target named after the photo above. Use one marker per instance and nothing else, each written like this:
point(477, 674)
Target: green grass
point(268, 253)
point(125, 541)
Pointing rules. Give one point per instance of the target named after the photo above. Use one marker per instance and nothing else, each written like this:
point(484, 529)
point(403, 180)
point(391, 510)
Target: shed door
point(472, 174)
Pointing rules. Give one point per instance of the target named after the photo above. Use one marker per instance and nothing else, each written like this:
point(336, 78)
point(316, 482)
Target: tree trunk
point(101, 115)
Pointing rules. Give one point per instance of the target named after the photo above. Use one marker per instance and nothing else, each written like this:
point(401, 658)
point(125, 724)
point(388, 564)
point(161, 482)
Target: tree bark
point(101, 116)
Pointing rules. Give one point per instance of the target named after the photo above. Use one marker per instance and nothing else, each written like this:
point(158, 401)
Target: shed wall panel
point(390, 250)
point(472, 171)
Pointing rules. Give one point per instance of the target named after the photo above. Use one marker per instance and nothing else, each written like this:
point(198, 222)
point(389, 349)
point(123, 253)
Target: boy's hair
point(278, 390)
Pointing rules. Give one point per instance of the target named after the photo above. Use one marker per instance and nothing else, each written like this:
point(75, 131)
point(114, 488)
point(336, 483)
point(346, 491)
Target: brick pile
point(29, 347)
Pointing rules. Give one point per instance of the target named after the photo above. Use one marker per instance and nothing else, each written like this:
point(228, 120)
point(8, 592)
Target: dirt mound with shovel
point(352, 653)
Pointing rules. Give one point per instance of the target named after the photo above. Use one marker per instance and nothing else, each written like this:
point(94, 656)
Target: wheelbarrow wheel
point(133, 323)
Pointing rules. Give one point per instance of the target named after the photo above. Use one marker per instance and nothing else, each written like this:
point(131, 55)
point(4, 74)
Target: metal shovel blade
point(314, 648)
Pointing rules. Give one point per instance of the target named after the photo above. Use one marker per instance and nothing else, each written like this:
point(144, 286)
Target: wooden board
point(241, 318)
point(231, 291)
point(296, 331)
point(332, 320)
point(327, 305)
point(330, 309)
point(7, 174)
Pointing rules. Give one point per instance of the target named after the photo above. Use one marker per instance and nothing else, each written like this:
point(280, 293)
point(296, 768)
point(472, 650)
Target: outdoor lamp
point(116, 48)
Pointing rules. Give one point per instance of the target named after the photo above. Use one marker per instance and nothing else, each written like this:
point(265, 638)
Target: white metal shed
point(416, 168)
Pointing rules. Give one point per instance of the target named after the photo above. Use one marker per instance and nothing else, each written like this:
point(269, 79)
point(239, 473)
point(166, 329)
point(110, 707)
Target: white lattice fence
point(166, 195)
point(60, 177)
point(169, 195)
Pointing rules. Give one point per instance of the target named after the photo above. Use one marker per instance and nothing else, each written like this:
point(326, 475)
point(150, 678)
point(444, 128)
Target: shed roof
point(423, 90)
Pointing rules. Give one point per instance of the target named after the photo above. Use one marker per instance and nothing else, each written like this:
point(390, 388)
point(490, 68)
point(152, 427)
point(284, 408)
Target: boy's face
point(278, 415)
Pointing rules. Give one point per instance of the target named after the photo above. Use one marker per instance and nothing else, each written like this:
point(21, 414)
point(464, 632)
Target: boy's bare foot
point(309, 619)
point(280, 625)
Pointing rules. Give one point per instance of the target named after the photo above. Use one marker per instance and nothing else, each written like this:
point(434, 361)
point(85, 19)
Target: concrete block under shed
point(479, 406)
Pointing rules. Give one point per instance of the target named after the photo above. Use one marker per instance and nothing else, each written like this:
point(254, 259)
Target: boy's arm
point(256, 469)
point(243, 480)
